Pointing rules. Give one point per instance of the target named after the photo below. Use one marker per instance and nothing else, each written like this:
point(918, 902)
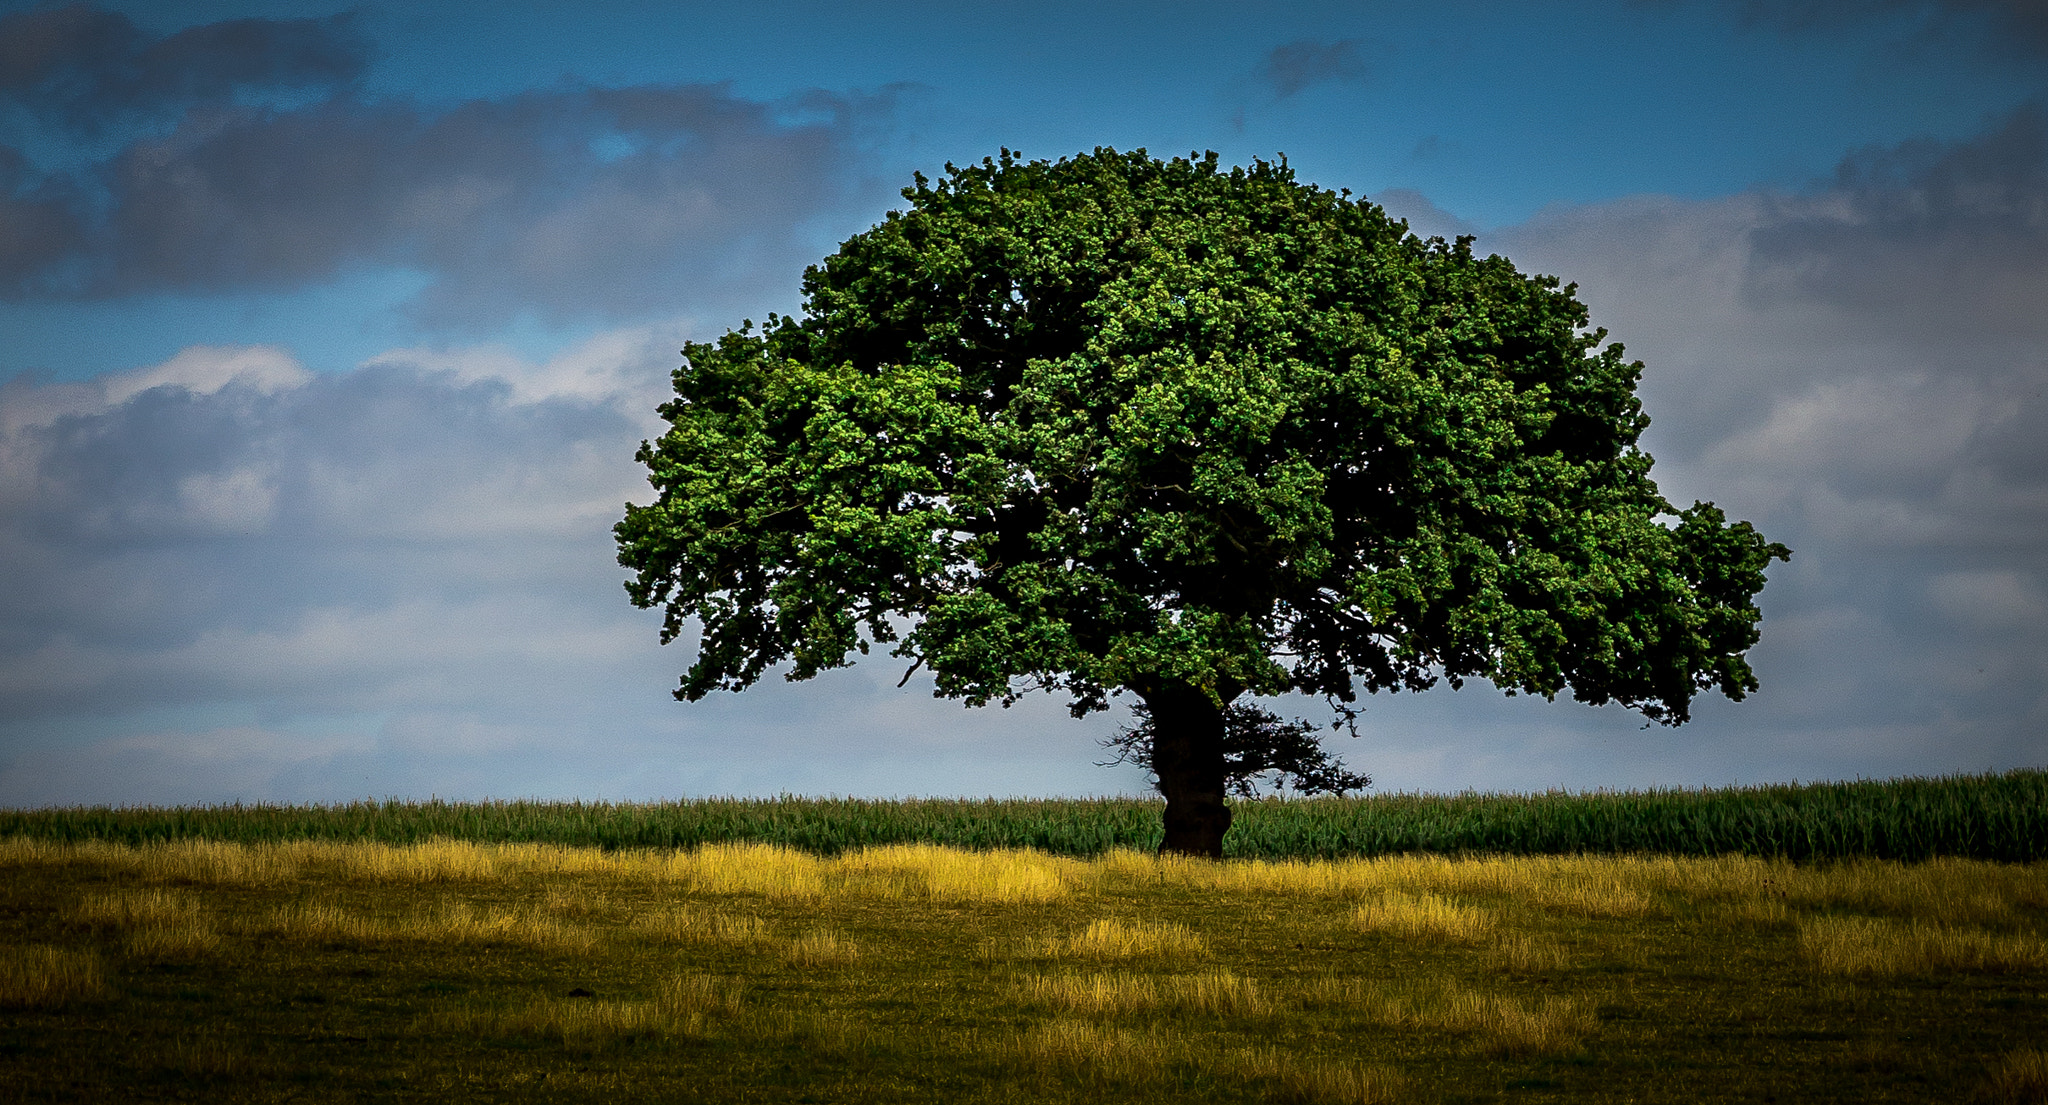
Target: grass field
point(1997, 817)
point(314, 970)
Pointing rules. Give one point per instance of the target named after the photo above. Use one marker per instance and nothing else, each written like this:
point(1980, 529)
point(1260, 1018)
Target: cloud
point(1423, 216)
point(2013, 27)
point(1295, 67)
point(86, 68)
point(574, 202)
point(1858, 366)
point(229, 577)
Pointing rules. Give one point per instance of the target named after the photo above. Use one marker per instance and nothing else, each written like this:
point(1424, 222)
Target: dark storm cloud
point(1302, 64)
point(1932, 233)
point(569, 202)
point(86, 68)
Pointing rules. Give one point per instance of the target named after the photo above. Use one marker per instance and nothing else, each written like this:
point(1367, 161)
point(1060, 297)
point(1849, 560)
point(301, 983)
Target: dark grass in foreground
point(1995, 817)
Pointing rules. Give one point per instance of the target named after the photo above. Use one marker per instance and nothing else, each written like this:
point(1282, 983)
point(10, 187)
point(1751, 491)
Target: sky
point(327, 336)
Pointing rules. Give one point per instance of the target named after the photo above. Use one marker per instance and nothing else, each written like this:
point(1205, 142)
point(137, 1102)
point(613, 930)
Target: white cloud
point(205, 369)
point(408, 567)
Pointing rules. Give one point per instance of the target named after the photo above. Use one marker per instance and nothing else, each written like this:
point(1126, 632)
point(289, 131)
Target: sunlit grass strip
point(1424, 916)
point(41, 977)
point(683, 1006)
point(1113, 938)
point(1995, 816)
point(1093, 1050)
point(1504, 1026)
point(686, 925)
point(153, 924)
point(451, 922)
point(1437, 897)
point(2022, 1079)
point(820, 947)
point(1211, 993)
point(1863, 945)
point(1010, 876)
point(1318, 1083)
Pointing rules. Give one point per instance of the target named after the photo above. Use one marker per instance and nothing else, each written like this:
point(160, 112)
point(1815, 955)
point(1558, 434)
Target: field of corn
point(442, 951)
point(1996, 817)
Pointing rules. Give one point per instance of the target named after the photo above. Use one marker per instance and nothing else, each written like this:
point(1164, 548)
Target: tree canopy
point(1116, 423)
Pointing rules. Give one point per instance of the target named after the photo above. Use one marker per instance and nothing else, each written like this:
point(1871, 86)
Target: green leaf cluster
point(1114, 422)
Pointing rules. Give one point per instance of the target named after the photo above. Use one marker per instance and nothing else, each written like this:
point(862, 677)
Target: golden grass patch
point(952, 875)
point(120, 910)
point(762, 869)
point(1318, 1083)
point(1093, 1050)
point(153, 924)
point(821, 947)
point(2021, 1079)
point(1527, 953)
point(1584, 886)
point(1111, 938)
point(43, 977)
point(451, 922)
point(579, 902)
point(685, 925)
point(1867, 945)
point(1423, 916)
point(1216, 993)
point(323, 923)
point(1504, 1025)
point(460, 922)
point(683, 1005)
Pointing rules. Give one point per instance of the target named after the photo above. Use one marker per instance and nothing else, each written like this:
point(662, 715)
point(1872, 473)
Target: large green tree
point(1121, 424)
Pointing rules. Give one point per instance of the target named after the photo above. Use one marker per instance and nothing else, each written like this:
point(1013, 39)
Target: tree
point(1256, 743)
point(1119, 424)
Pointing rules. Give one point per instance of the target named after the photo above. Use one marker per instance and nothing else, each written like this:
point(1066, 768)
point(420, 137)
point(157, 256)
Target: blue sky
point(327, 335)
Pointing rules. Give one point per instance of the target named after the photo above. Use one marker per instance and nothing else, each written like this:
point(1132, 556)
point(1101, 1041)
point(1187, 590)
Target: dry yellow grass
point(953, 875)
point(1424, 916)
point(684, 1005)
point(685, 925)
point(41, 977)
point(153, 924)
point(1096, 994)
point(820, 948)
point(1215, 993)
point(126, 909)
point(1318, 1083)
point(1110, 938)
point(462, 923)
point(1947, 892)
point(451, 922)
point(1093, 1050)
point(2022, 1079)
point(323, 923)
point(1508, 1027)
point(581, 902)
point(1524, 953)
point(1583, 886)
point(761, 869)
point(1865, 945)
point(1503, 1025)
point(207, 1054)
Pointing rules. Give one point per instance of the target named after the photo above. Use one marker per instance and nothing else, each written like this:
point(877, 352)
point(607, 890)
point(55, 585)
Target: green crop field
point(536, 952)
point(1996, 817)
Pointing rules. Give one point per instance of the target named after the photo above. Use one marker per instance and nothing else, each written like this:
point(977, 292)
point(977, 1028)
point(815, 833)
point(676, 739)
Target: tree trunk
point(1187, 755)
